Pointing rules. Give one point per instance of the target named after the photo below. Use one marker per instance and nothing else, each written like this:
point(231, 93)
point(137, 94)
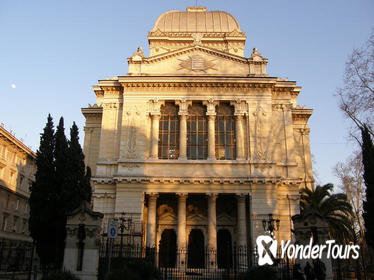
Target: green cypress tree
point(368, 205)
point(79, 180)
point(41, 198)
point(59, 191)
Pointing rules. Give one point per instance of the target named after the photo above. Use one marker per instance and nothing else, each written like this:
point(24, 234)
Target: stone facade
point(197, 139)
point(17, 168)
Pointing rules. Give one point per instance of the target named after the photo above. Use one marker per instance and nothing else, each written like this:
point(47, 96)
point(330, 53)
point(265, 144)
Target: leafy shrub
point(135, 270)
point(61, 275)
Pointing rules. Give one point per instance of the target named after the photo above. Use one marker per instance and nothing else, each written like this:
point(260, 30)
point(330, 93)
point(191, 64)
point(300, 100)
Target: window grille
point(197, 141)
point(225, 132)
point(168, 144)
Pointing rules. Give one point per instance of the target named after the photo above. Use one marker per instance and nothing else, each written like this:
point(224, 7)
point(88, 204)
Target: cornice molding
point(194, 84)
point(194, 180)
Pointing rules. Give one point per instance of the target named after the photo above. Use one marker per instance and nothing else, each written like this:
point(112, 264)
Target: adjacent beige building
point(17, 168)
point(197, 142)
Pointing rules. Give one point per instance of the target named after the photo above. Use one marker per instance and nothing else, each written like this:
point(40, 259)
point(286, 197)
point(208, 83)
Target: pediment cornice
point(192, 49)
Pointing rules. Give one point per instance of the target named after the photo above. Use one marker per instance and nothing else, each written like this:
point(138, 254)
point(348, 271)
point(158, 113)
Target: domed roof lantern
point(179, 29)
point(196, 19)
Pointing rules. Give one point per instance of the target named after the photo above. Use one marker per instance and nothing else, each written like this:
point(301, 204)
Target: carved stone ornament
point(197, 38)
point(259, 115)
point(183, 106)
point(210, 107)
point(240, 107)
point(132, 116)
point(155, 106)
point(110, 105)
point(196, 63)
point(131, 166)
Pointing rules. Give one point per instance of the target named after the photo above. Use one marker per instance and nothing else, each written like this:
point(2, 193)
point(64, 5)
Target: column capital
point(212, 196)
point(241, 196)
point(210, 106)
point(240, 107)
point(155, 107)
point(182, 195)
point(153, 195)
point(183, 106)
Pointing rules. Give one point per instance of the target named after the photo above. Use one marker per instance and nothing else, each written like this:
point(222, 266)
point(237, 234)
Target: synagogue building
point(198, 143)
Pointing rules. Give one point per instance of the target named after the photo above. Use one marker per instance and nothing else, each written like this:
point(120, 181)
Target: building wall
point(17, 168)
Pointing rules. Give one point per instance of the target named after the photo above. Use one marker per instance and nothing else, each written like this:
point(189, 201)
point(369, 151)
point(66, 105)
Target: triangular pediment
point(195, 60)
point(196, 219)
point(225, 219)
point(167, 218)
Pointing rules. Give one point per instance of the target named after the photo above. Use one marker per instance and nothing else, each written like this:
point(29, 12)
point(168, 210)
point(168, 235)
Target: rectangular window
point(8, 201)
point(15, 223)
point(197, 133)
point(225, 133)
point(21, 181)
point(4, 225)
point(12, 177)
point(168, 145)
point(24, 226)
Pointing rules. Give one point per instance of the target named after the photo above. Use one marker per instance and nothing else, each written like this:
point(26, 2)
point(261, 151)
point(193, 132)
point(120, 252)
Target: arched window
point(197, 141)
point(168, 145)
point(225, 132)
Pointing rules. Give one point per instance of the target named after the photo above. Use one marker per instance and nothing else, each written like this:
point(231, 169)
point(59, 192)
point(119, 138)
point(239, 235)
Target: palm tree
point(333, 207)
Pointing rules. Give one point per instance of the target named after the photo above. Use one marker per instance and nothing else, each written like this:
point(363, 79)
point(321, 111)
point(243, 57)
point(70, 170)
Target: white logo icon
point(267, 249)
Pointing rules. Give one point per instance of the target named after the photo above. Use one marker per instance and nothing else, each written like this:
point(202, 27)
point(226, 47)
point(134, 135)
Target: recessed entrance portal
point(224, 249)
point(168, 248)
point(196, 249)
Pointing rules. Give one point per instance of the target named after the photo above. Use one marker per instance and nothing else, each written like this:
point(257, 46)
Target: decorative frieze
point(193, 180)
point(110, 105)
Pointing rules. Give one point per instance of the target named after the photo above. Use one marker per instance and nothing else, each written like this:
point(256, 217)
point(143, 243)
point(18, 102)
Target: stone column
point(242, 232)
point(181, 236)
point(183, 137)
point(211, 137)
point(242, 222)
point(239, 137)
point(212, 230)
point(183, 113)
point(154, 135)
point(240, 110)
point(151, 220)
point(211, 113)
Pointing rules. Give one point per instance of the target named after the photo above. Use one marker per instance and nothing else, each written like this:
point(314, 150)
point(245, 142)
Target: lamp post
point(271, 225)
point(125, 224)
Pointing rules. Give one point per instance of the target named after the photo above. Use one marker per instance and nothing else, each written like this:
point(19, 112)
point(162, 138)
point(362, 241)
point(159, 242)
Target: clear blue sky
point(54, 51)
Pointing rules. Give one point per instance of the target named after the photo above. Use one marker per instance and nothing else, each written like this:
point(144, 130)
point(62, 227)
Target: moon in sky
point(13, 85)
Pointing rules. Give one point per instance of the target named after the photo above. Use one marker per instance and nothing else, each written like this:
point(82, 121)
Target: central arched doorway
point(168, 248)
point(196, 249)
point(224, 249)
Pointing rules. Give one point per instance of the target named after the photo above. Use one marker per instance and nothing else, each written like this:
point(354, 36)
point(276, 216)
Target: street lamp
point(125, 224)
point(271, 225)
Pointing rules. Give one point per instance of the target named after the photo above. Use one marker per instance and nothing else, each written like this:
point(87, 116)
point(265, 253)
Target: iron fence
point(181, 264)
